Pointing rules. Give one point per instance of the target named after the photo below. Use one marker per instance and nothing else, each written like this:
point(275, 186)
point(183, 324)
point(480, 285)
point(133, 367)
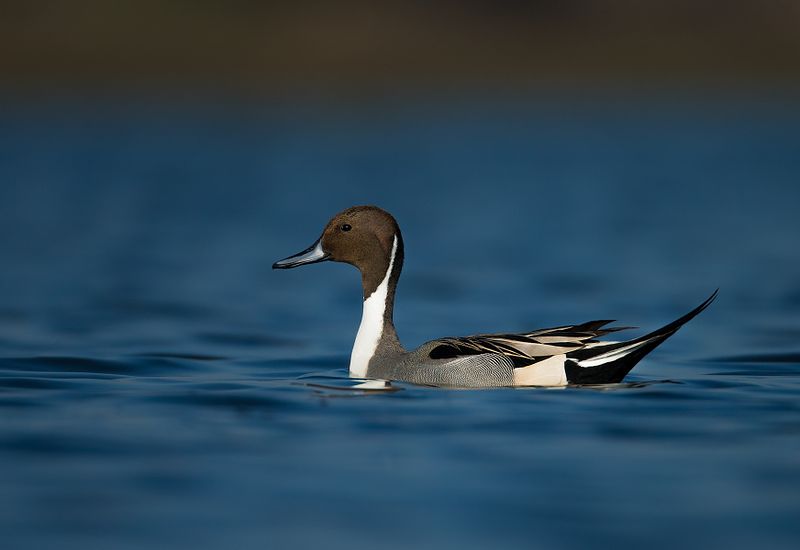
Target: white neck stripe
point(371, 328)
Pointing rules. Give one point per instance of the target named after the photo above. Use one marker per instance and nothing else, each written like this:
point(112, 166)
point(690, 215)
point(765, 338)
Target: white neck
point(371, 328)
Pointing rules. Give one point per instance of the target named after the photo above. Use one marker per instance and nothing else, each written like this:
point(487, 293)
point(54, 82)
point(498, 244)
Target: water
point(161, 387)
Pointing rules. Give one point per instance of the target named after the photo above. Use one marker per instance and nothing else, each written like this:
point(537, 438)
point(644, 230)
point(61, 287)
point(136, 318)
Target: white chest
point(371, 328)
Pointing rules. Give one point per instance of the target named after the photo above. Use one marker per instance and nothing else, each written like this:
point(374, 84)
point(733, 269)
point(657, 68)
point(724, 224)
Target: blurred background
point(549, 162)
point(354, 49)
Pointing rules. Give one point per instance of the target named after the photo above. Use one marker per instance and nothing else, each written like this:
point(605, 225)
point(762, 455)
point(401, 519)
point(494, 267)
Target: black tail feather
point(616, 369)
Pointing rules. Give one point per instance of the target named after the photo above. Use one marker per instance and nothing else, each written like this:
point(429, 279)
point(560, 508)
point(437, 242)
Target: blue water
point(162, 387)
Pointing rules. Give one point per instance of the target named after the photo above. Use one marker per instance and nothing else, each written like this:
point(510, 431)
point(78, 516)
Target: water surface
point(161, 387)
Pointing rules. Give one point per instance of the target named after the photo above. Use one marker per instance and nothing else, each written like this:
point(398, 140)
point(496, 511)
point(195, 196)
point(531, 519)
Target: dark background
point(353, 49)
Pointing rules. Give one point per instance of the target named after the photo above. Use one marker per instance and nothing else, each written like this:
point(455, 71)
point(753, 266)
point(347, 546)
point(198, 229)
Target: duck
point(369, 238)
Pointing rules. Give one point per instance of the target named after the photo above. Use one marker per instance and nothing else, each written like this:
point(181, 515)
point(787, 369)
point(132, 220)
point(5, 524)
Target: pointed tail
point(608, 364)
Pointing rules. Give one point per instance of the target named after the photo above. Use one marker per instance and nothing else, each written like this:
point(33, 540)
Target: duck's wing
point(526, 348)
point(560, 355)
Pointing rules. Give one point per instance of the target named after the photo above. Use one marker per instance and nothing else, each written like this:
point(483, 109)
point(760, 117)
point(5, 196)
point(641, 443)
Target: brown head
point(362, 236)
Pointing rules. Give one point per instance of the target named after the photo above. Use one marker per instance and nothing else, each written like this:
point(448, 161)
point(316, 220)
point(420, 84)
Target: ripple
point(763, 364)
point(34, 384)
point(240, 401)
point(638, 384)
point(352, 387)
point(301, 366)
point(89, 365)
point(759, 372)
point(21, 402)
point(180, 355)
point(789, 357)
point(60, 444)
point(247, 340)
point(67, 364)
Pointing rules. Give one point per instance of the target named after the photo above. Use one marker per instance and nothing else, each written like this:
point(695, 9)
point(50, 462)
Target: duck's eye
point(346, 227)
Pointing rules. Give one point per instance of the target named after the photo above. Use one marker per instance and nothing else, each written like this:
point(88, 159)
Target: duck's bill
point(310, 255)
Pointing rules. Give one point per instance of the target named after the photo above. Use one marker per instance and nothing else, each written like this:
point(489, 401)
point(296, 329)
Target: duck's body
point(370, 239)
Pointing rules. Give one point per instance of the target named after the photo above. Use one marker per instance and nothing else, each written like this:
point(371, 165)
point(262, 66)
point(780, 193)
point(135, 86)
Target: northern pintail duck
point(369, 238)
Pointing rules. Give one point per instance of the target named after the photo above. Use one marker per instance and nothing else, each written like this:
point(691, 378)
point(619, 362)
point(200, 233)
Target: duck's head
point(364, 236)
